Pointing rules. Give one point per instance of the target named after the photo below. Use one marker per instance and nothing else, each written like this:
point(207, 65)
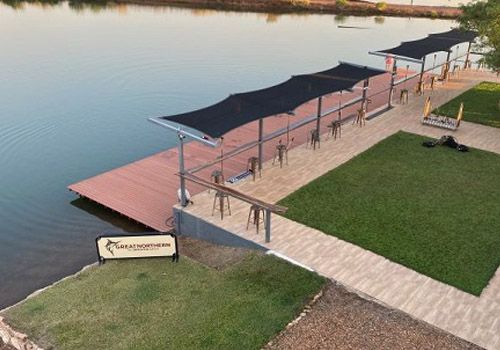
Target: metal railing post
point(261, 152)
point(393, 78)
point(268, 226)
point(318, 116)
point(467, 57)
point(181, 170)
point(421, 79)
point(447, 66)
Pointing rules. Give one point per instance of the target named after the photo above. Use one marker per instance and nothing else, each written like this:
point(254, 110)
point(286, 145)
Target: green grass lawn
point(157, 304)
point(435, 210)
point(480, 105)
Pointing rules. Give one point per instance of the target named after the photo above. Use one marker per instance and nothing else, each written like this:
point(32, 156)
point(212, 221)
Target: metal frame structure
point(181, 135)
point(422, 63)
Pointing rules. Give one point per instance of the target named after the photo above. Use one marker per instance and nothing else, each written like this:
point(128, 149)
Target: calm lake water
point(76, 87)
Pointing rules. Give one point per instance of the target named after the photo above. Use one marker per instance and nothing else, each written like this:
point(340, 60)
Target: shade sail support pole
point(467, 57)
point(181, 170)
point(421, 79)
point(393, 78)
point(261, 134)
point(318, 115)
point(364, 104)
point(447, 65)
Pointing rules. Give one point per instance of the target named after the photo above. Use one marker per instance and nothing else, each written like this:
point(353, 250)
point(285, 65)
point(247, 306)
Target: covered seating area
point(209, 125)
point(417, 51)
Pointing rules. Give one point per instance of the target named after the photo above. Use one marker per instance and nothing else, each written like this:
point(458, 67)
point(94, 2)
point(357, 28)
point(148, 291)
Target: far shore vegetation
point(434, 210)
point(340, 7)
point(481, 105)
point(158, 304)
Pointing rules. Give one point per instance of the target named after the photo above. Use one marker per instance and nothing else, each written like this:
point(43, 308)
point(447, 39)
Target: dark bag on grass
point(450, 141)
point(429, 144)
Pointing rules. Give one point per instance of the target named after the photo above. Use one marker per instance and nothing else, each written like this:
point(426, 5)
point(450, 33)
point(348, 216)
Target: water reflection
point(108, 216)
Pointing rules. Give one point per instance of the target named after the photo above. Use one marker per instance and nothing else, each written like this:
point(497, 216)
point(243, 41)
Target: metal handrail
point(274, 208)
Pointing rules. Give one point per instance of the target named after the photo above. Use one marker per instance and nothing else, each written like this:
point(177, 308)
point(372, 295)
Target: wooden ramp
point(146, 190)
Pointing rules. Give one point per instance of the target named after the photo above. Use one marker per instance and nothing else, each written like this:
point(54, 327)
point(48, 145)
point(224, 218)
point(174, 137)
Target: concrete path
point(476, 319)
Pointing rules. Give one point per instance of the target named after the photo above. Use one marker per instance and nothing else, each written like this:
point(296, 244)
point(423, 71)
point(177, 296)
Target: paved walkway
point(476, 319)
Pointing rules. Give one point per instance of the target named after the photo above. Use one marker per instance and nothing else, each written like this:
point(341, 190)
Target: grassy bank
point(156, 304)
point(481, 105)
point(433, 210)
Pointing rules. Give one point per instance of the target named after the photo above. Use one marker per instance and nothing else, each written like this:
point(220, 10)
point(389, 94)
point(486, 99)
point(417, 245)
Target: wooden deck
point(146, 190)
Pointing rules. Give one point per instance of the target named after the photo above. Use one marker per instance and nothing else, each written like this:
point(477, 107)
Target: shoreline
point(353, 7)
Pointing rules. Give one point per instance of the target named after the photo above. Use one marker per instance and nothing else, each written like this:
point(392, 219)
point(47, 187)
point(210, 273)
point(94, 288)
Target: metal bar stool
point(433, 82)
point(336, 129)
point(313, 138)
point(280, 153)
point(360, 118)
point(217, 177)
point(252, 166)
point(223, 199)
point(256, 215)
point(419, 88)
point(403, 97)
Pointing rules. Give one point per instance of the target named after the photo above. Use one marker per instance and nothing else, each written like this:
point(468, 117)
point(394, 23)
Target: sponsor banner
point(137, 246)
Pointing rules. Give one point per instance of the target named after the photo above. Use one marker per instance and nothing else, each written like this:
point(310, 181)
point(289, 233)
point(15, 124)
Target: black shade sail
point(457, 34)
point(433, 43)
point(239, 109)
